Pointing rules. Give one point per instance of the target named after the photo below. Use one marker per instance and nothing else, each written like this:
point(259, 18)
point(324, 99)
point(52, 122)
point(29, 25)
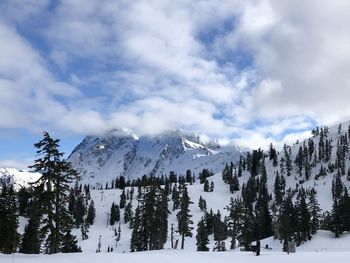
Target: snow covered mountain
point(17, 178)
point(120, 153)
point(313, 164)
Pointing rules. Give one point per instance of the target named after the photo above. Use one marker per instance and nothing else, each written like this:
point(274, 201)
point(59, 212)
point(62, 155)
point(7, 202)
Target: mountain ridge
point(125, 154)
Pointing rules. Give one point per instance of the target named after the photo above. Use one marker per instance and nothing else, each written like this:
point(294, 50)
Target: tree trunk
point(183, 241)
point(258, 247)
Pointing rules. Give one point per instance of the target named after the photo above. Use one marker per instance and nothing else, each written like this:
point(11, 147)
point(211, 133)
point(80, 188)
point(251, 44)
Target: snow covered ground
point(170, 256)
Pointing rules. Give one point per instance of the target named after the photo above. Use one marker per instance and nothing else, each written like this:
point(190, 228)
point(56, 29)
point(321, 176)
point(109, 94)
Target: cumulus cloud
point(253, 71)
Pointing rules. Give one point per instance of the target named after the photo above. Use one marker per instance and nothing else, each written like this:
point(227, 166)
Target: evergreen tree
point(248, 228)
point(175, 198)
point(184, 218)
point(69, 243)
point(299, 161)
point(227, 174)
point(211, 188)
point(337, 218)
point(202, 204)
point(202, 236)
point(235, 220)
point(288, 159)
point(91, 213)
point(273, 155)
point(84, 228)
point(189, 176)
point(115, 214)
point(204, 175)
point(52, 188)
point(128, 214)
point(262, 211)
point(206, 186)
point(234, 184)
point(315, 210)
point(79, 210)
point(220, 230)
point(31, 242)
point(151, 220)
point(287, 220)
point(303, 218)
point(279, 189)
point(8, 220)
point(136, 244)
point(122, 200)
point(24, 195)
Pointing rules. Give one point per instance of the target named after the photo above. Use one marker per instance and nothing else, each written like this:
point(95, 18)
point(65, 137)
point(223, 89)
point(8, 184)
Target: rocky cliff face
point(100, 159)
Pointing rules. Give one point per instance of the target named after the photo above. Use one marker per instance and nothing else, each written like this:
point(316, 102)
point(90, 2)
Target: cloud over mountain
point(251, 71)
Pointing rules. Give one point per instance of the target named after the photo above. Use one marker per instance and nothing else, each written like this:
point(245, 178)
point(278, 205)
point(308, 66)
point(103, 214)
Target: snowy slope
point(18, 178)
point(171, 256)
point(216, 200)
point(219, 199)
point(322, 184)
point(101, 159)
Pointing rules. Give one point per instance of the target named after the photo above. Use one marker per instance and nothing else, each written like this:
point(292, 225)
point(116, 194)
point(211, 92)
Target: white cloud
point(15, 163)
point(149, 69)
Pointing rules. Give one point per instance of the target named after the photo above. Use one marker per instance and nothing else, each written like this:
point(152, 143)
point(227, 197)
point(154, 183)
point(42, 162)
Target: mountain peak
point(102, 158)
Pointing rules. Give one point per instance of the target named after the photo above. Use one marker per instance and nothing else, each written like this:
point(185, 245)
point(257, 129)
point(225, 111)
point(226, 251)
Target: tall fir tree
point(31, 241)
point(202, 236)
point(8, 220)
point(91, 213)
point(53, 188)
point(184, 217)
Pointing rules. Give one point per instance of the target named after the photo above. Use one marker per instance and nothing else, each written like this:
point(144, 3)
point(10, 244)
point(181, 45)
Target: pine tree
point(114, 215)
point(202, 236)
point(175, 197)
point(135, 243)
point(184, 218)
point(151, 220)
point(122, 200)
point(299, 161)
point(303, 218)
point(52, 188)
point(262, 211)
point(79, 210)
point(8, 220)
point(202, 204)
point(128, 214)
point(204, 175)
point(315, 211)
point(211, 188)
point(220, 231)
point(24, 195)
point(279, 189)
point(337, 218)
point(346, 211)
point(227, 174)
point(206, 186)
point(287, 221)
point(234, 184)
point(31, 242)
point(69, 243)
point(235, 220)
point(188, 176)
point(91, 213)
point(273, 155)
point(84, 228)
point(288, 159)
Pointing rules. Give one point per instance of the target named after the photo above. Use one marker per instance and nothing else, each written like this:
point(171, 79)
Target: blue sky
point(251, 72)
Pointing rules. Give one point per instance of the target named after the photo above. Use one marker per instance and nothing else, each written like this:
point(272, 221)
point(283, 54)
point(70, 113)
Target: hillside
point(17, 178)
point(307, 166)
